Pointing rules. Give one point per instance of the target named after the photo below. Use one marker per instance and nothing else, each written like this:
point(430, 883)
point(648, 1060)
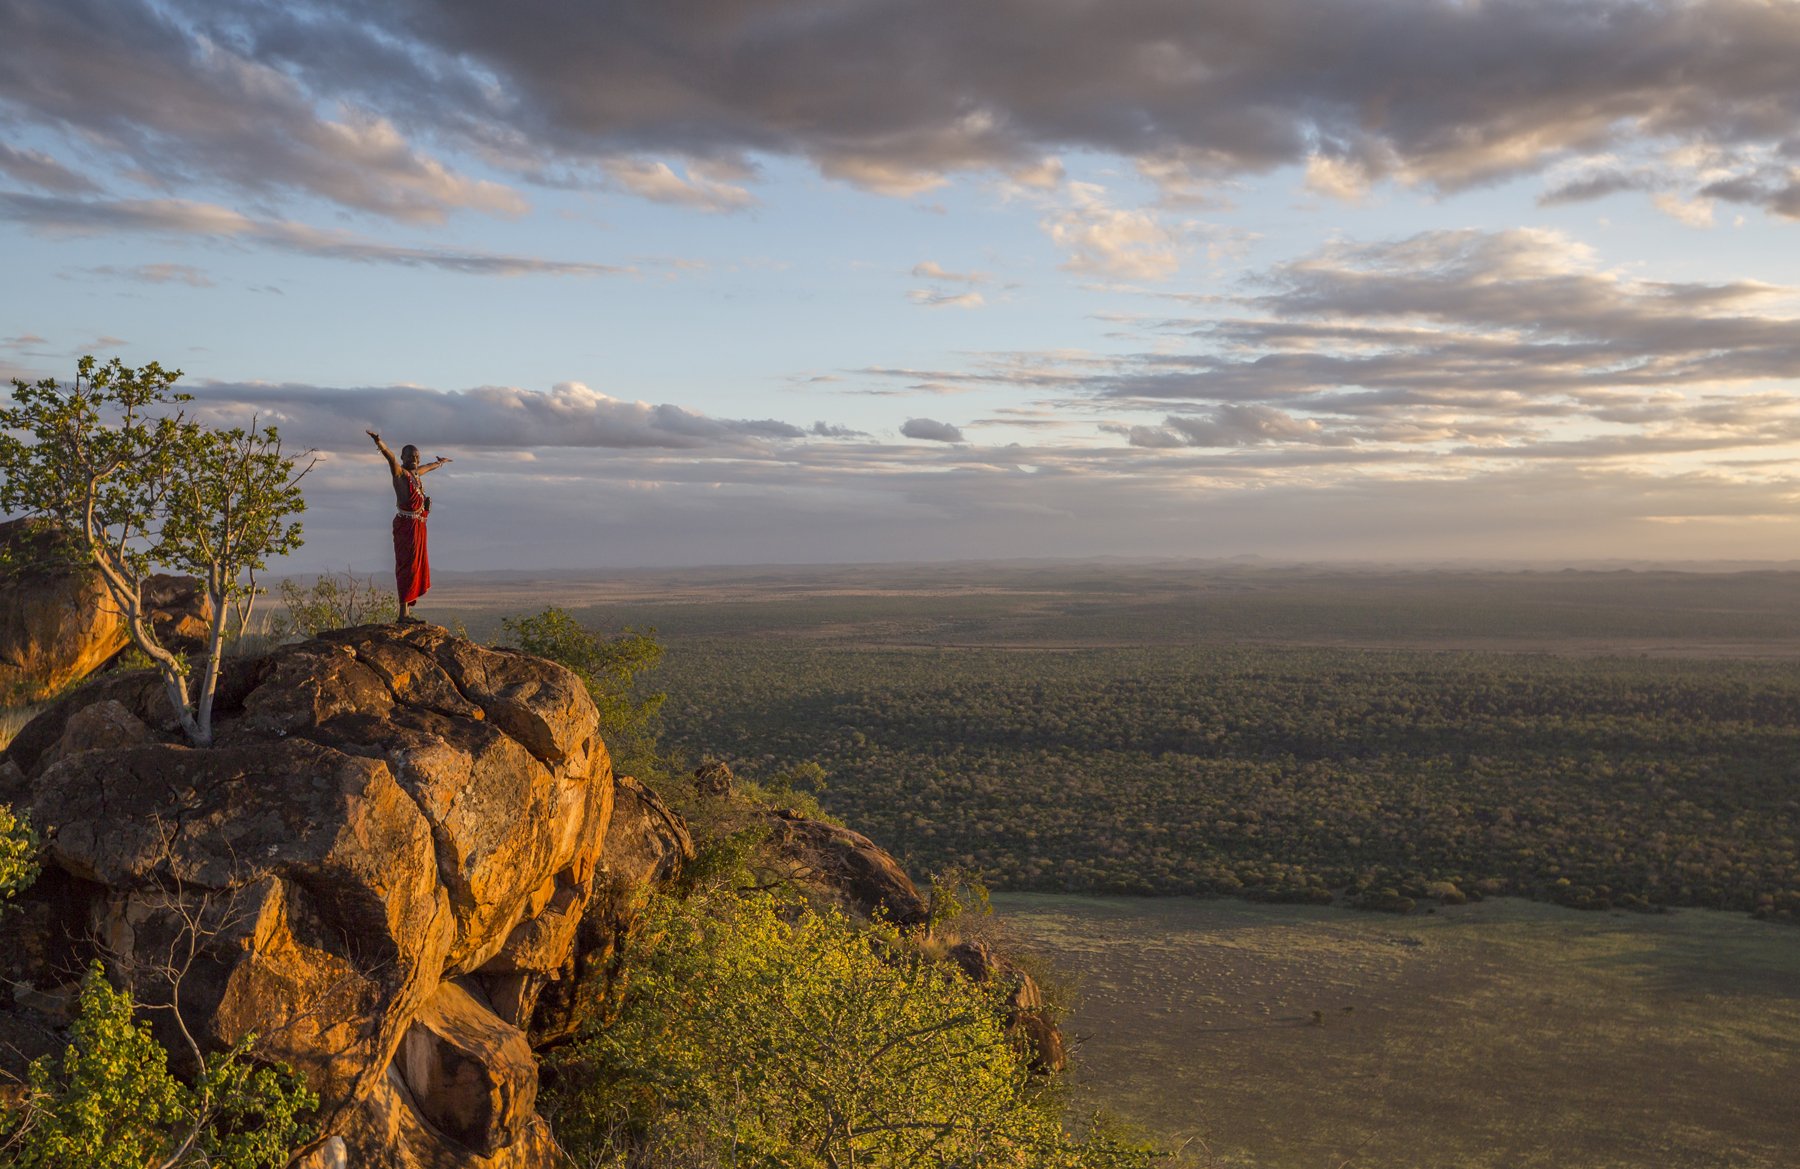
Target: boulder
point(473, 1075)
point(843, 866)
point(646, 846)
point(179, 611)
point(393, 824)
point(58, 623)
point(646, 842)
point(1028, 1018)
point(714, 778)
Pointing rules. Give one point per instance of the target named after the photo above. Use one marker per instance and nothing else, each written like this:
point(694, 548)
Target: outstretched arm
point(393, 463)
point(432, 465)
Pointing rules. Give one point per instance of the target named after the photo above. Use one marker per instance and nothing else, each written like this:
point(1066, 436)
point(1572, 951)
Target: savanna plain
point(1336, 867)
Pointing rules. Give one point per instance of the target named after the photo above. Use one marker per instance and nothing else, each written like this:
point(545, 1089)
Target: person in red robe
point(412, 567)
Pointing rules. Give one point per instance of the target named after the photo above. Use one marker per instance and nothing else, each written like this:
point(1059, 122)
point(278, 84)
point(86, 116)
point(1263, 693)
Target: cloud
point(336, 101)
point(176, 95)
point(1106, 241)
point(657, 182)
point(1478, 345)
point(569, 414)
point(185, 217)
point(932, 270)
point(1697, 212)
point(930, 298)
point(1234, 426)
point(825, 502)
point(34, 168)
point(1597, 183)
point(156, 274)
point(930, 430)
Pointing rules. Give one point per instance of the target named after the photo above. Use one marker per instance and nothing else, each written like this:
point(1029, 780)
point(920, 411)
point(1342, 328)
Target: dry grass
point(13, 720)
point(1504, 1035)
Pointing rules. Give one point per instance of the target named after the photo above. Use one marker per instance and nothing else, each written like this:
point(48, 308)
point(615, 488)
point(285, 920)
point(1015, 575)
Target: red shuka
point(412, 568)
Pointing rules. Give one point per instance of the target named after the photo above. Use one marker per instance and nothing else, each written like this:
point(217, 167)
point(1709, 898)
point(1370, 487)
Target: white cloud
point(932, 270)
point(1102, 240)
point(658, 182)
point(1697, 212)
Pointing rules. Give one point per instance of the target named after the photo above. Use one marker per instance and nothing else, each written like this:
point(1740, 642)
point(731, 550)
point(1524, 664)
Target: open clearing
point(1500, 1035)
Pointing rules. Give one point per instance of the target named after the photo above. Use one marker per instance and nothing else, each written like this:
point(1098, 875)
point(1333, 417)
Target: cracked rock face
point(385, 858)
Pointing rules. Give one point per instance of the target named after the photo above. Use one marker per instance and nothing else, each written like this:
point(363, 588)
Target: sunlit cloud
point(182, 217)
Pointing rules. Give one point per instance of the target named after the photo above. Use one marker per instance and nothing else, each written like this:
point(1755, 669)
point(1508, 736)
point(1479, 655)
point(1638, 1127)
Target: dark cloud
point(183, 97)
point(344, 101)
point(487, 417)
point(1235, 426)
point(930, 430)
point(1598, 185)
point(34, 168)
point(181, 217)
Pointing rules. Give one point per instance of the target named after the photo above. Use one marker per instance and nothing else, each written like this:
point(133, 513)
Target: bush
point(114, 1104)
point(755, 1033)
point(333, 602)
point(18, 853)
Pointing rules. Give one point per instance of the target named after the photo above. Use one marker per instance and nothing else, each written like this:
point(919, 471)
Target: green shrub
point(18, 853)
point(756, 1033)
point(114, 1104)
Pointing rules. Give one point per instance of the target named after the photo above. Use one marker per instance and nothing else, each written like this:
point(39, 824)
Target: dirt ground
point(1504, 1035)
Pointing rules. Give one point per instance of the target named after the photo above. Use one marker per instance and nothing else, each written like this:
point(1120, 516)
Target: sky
point(684, 282)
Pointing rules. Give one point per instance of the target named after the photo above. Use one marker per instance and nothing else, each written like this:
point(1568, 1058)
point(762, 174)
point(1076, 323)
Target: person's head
point(409, 456)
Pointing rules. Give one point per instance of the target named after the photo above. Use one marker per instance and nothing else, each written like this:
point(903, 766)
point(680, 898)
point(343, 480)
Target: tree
point(114, 461)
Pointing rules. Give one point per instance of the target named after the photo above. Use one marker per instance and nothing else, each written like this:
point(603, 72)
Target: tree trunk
point(215, 654)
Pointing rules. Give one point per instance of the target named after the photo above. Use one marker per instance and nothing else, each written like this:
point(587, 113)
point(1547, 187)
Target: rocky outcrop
point(58, 624)
point(1028, 1017)
point(404, 865)
point(385, 858)
point(646, 846)
point(840, 865)
point(179, 612)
